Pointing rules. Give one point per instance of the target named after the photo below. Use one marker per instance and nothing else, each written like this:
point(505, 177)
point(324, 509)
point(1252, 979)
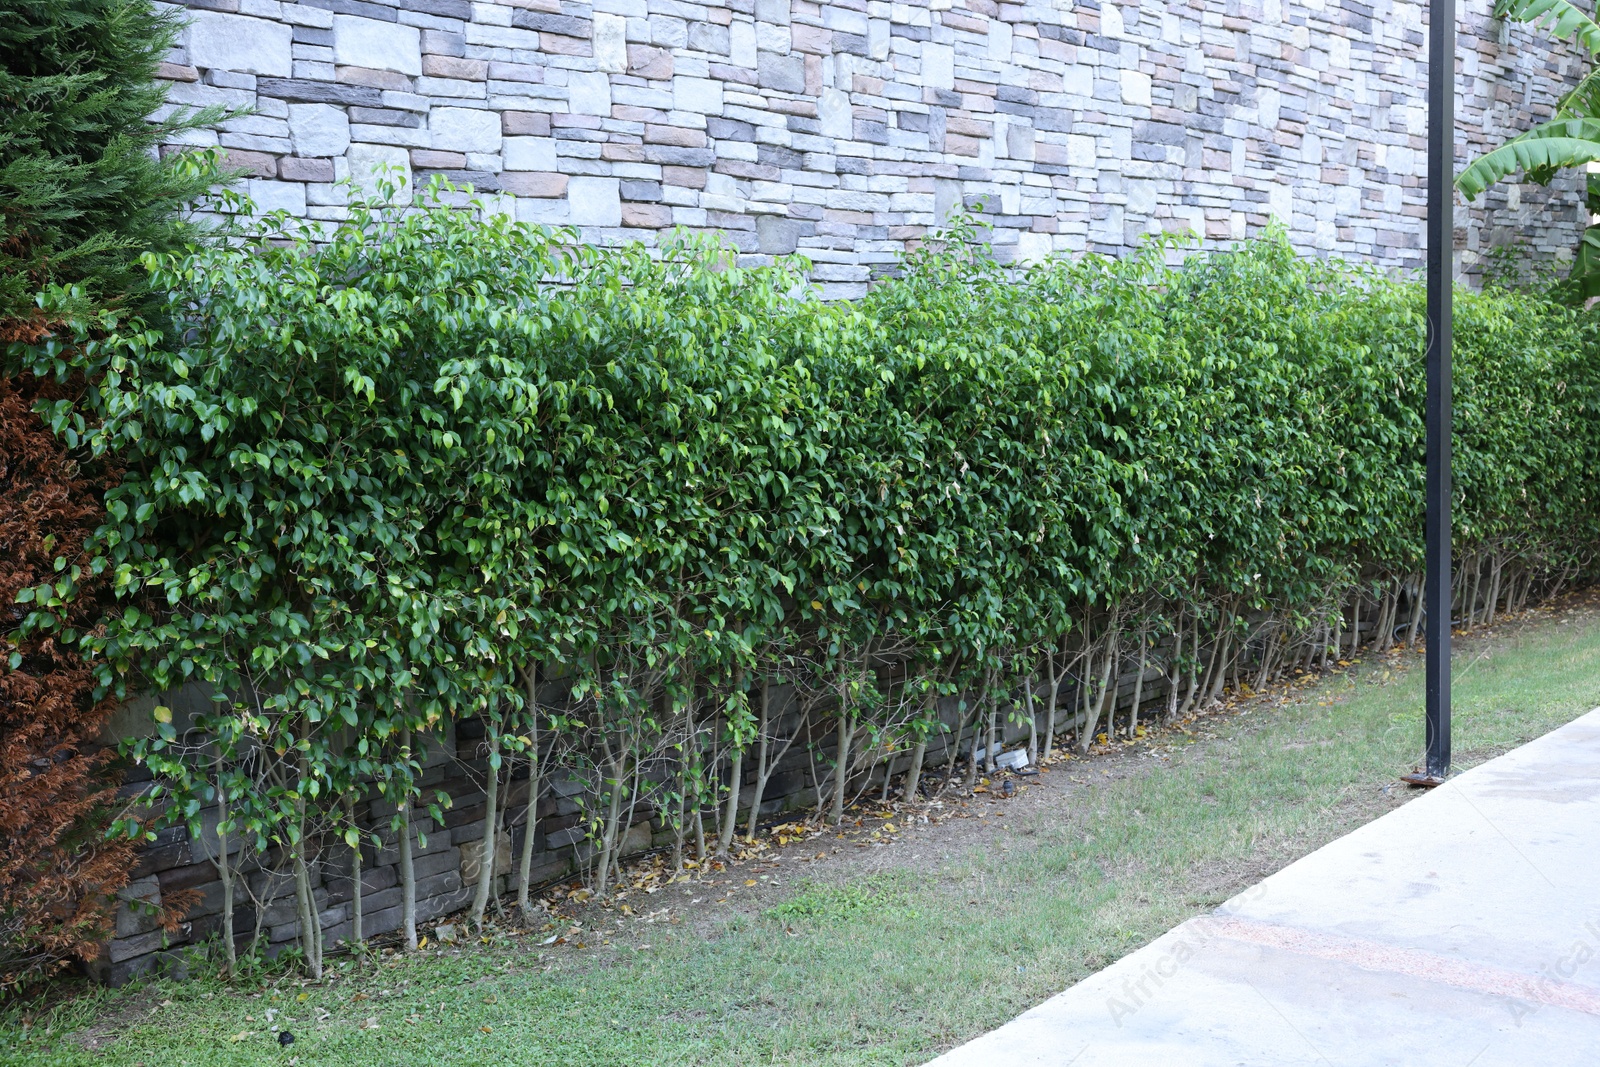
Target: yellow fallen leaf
point(749, 881)
point(301, 999)
point(423, 943)
point(240, 1036)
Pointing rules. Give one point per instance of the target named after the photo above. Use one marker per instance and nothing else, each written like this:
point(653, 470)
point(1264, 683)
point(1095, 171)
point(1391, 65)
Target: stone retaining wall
point(446, 854)
point(843, 130)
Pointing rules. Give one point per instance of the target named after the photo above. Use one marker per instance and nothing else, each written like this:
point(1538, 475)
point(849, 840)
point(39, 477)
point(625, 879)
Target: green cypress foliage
point(83, 191)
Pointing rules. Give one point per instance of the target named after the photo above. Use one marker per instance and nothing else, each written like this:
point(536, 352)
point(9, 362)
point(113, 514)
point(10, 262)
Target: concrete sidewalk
point(1461, 929)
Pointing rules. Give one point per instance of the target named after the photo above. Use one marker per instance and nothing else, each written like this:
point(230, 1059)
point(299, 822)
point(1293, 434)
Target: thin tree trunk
point(972, 754)
point(1416, 614)
point(608, 834)
point(530, 682)
point(1477, 582)
point(1194, 669)
point(225, 869)
point(1496, 566)
point(1138, 685)
point(1212, 662)
point(841, 772)
point(408, 871)
point(1107, 685)
point(914, 774)
point(736, 773)
point(765, 764)
point(1056, 664)
point(627, 820)
point(356, 937)
point(1225, 650)
point(491, 825)
point(310, 932)
point(1269, 650)
point(1033, 720)
point(988, 741)
point(305, 905)
point(1355, 625)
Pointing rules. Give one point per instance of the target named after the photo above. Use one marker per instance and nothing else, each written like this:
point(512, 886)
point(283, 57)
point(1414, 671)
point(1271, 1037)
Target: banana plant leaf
point(1540, 152)
point(1562, 17)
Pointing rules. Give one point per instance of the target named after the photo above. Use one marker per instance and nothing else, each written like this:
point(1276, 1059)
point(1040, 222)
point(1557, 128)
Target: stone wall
point(447, 853)
point(843, 130)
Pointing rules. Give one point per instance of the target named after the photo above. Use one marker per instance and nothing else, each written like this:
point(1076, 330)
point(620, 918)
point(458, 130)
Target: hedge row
point(434, 462)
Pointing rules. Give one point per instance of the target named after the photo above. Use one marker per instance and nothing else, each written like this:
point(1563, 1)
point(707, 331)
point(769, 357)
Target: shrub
point(57, 869)
point(411, 468)
point(82, 194)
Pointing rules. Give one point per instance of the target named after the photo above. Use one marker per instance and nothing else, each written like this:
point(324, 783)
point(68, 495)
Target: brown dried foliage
point(58, 871)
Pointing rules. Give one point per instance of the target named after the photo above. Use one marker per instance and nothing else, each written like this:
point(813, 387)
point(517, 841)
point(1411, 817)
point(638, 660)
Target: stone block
point(776, 12)
point(455, 68)
point(318, 129)
point(1135, 88)
point(541, 184)
point(530, 153)
point(637, 189)
point(240, 44)
point(589, 94)
point(384, 116)
point(369, 43)
point(645, 61)
point(370, 163)
point(277, 196)
point(296, 169)
point(709, 37)
point(610, 43)
point(594, 201)
point(533, 123)
point(938, 66)
point(702, 95)
point(444, 42)
point(776, 235)
point(835, 116)
point(684, 177)
point(646, 216)
point(256, 164)
point(562, 25)
point(464, 129)
point(526, 73)
point(742, 48)
point(177, 72)
point(784, 74)
point(472, 858)
point(427, 159)
point(303, 90)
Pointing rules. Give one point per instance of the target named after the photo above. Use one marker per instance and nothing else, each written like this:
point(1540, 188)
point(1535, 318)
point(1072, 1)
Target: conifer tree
point(83, 188)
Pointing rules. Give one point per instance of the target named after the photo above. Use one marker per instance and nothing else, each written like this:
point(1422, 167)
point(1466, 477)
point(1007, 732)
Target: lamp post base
point(1422, 780)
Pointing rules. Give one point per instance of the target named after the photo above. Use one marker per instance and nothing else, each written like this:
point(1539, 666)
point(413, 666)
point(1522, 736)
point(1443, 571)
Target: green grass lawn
point(953, 933)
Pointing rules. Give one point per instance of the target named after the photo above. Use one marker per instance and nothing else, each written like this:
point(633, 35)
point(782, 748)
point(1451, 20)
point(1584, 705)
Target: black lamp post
point(1441, 237)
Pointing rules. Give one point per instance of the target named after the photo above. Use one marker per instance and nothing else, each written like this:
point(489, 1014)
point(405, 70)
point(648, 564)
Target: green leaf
point(1562, 18)
point(1544, 149)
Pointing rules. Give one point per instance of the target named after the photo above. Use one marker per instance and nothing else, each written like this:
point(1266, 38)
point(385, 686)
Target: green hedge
point(411, 470)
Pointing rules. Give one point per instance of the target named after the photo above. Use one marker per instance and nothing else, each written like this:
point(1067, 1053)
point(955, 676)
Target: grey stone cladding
point(844, 130)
